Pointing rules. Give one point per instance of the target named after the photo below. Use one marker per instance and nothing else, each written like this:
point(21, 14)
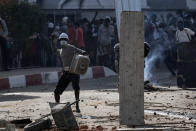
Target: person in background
point(55, 58)
point(165, 46)
point(155, 27)
point(117, 56)
point(94, 37)
point(79, 37)
point(3, 43)
point(50, 28)
point(91, 38)
point(105, 34)
point(114, 41)
point(64, 24)
point(183, 34)
point(71, 32)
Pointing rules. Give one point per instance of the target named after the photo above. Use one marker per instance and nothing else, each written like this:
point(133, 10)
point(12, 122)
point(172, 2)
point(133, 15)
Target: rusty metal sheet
point(186, 52)
point(186, 74)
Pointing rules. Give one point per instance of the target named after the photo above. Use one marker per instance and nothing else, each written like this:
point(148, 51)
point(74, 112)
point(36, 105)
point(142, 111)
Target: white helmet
point(64, 20)
point(63, 36)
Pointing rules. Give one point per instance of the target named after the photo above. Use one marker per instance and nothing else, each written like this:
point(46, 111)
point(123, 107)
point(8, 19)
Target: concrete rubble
point(167, 107)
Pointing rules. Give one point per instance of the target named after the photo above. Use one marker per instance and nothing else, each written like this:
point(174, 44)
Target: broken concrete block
point(63, 117)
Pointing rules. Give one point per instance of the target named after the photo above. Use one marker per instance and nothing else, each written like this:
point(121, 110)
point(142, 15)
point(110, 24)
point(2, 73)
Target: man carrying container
point(67, 52)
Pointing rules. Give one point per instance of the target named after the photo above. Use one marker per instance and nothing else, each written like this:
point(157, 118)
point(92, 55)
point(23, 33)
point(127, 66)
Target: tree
point(3, 2)
point(23, 20)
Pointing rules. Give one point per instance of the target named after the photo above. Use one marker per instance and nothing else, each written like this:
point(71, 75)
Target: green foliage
point(23, 20)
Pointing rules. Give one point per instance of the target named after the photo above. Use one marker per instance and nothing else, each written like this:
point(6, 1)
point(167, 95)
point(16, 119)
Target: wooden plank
point(132, 68)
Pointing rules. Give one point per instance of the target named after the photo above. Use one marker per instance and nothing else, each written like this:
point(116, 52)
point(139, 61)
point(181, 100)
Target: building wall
point(191, 4)
point(74, 4)
point(101, 14)
point(167, 4)
point(29, 1)
point(110, 4)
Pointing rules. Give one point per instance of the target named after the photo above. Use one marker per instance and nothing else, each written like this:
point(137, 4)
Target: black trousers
point(64, 81)
point(4, 54)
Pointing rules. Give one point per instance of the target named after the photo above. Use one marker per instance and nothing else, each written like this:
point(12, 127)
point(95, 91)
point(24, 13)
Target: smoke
point(156, 56)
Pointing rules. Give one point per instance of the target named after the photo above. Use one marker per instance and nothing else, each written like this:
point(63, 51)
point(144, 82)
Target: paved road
point(100, 104)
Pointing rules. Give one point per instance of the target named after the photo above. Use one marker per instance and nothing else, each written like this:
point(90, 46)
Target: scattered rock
point(100, 128)
point(95, 106)
point(187, 96)
point(114, 128)
point(84, 127)
point(190, 105)
point(155, 113)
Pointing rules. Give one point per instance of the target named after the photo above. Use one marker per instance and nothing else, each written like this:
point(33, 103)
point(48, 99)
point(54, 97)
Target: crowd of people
point(161, 32)
point(97, 37)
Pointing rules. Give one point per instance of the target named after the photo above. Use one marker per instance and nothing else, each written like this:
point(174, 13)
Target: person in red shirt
point(79, 36)
point(71, 32)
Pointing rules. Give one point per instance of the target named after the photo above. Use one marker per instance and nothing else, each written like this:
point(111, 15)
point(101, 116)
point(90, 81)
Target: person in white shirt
point(183, 34)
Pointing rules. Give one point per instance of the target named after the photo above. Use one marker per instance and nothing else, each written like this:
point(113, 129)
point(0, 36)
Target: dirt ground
point(168, 107)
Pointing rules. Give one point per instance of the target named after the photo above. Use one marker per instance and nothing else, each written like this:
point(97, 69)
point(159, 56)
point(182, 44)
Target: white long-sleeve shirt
point(3, 28)
point(185, 35)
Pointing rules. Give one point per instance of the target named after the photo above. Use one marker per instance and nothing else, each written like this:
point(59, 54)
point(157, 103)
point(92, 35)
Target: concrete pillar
point(126, 5)
point(132, 68)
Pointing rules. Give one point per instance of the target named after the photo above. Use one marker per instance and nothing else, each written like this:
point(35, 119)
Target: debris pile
point(149, 87)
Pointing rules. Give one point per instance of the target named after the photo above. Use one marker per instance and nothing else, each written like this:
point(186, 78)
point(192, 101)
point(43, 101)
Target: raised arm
point(94, 18)
point(53, 46)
